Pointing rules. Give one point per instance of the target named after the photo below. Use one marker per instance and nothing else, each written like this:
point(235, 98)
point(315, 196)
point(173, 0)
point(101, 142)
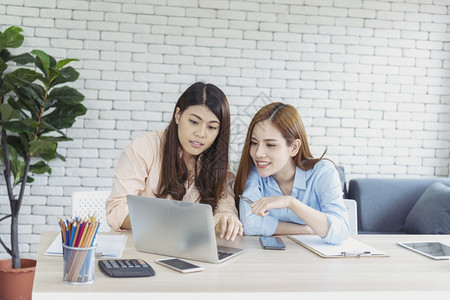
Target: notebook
point(176, 228)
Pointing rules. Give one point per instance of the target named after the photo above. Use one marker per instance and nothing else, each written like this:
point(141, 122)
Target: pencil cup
point(79, 264)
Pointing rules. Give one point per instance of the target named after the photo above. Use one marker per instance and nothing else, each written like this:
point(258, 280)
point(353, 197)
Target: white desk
point(257, 272)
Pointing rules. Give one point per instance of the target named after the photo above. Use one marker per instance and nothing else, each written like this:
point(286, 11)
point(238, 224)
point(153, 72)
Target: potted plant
point(34, 111)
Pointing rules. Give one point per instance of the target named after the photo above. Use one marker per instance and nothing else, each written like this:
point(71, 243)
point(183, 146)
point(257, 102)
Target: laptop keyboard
point(223, 255)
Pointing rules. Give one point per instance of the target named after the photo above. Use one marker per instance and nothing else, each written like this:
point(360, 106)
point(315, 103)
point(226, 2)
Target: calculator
point(125, 268)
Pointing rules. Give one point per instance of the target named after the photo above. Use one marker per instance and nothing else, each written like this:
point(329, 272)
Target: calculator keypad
point(125, 267)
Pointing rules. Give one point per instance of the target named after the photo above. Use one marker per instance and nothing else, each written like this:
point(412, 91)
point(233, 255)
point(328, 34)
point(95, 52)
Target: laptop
point(176, 228)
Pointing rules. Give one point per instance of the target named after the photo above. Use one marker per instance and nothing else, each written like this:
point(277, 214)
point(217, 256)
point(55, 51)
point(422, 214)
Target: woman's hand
point(262, 206)
point(229, 226)
point(315, 220)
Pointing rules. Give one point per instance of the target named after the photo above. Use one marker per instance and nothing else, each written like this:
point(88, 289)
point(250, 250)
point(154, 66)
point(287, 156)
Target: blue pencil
point(67, 232)
point(67, 237)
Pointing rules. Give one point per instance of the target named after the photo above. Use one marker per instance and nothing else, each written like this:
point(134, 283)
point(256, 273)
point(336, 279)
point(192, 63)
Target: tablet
point(434, 250)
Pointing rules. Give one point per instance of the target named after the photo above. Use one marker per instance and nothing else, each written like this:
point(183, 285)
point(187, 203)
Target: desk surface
point(295, 270)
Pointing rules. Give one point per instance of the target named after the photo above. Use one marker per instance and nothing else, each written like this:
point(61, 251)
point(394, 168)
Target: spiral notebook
point(349, 248)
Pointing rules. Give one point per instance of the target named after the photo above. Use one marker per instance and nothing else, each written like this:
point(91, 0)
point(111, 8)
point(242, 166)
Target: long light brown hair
point(211, 179)
point(287, 120)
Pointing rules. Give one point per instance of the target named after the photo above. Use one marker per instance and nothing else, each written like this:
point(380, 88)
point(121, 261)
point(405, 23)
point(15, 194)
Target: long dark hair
point(287, 120)
point(211, 179)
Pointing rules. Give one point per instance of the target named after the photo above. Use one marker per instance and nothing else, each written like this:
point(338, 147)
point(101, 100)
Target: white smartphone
point(434, 250)
point(179, 265)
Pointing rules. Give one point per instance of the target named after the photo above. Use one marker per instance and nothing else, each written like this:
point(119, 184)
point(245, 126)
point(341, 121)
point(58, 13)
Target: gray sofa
point(389, 205)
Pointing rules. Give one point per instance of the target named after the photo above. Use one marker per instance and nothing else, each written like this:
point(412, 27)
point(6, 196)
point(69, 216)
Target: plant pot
point(16, 283)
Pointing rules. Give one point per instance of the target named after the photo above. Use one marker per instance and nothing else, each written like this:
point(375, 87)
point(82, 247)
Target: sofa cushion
point(384, 203)
point(431, 213)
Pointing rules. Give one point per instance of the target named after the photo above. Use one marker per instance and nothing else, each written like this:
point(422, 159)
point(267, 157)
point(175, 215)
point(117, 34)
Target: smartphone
point(179, 265)
point(434, 250)
point(272, 243)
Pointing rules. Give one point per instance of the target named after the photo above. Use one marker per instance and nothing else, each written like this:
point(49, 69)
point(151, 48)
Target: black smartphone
point(272, 243)
point(179, 265)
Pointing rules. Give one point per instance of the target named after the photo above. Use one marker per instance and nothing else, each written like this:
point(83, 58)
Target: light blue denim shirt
point(319, 188)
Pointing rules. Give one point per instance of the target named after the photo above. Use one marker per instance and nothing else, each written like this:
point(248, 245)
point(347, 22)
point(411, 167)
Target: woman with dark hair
point(280, 187)
point(188, 161)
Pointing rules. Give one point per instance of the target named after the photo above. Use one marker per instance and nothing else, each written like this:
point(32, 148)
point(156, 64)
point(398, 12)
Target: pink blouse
point(137, 173)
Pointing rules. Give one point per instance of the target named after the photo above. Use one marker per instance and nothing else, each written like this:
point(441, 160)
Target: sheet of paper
point(350, 247)
point(111, 246)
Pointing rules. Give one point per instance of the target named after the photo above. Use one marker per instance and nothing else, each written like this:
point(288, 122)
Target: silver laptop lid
point(173, 228)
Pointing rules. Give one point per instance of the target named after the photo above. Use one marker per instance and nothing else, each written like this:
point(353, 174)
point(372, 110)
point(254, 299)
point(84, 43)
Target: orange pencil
point(77, 224)
point(63, 230)
point(86, 229)
point(88, 240)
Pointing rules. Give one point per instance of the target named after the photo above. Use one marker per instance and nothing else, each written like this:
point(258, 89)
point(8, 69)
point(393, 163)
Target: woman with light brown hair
point(280, 187)
point(188, 161)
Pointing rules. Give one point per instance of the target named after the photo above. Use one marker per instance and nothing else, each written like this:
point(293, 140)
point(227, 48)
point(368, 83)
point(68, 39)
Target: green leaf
point(42, 65)
point(2, 156)
point(22, 59)
point(28, 98)
point(60, 156)
point(38, 95)
point(12, 154)
point(67, 74)
point(11, 38)
point(3, 66)
point(4, 55)
point(40, 168)
point(52, 75)
point(17, 106)
point(7, 112)
point(46, 127)
point(18, 145)
point(19, 126)
point(64, 115)
point(44, 147)
point(22, 77)
point(44, 60)
point(29, 179)
point(64, 62)
point(66, 95)
point(17, 168)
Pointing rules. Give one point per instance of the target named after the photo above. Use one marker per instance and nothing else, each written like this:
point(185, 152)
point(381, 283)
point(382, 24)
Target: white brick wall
point(370, 79)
